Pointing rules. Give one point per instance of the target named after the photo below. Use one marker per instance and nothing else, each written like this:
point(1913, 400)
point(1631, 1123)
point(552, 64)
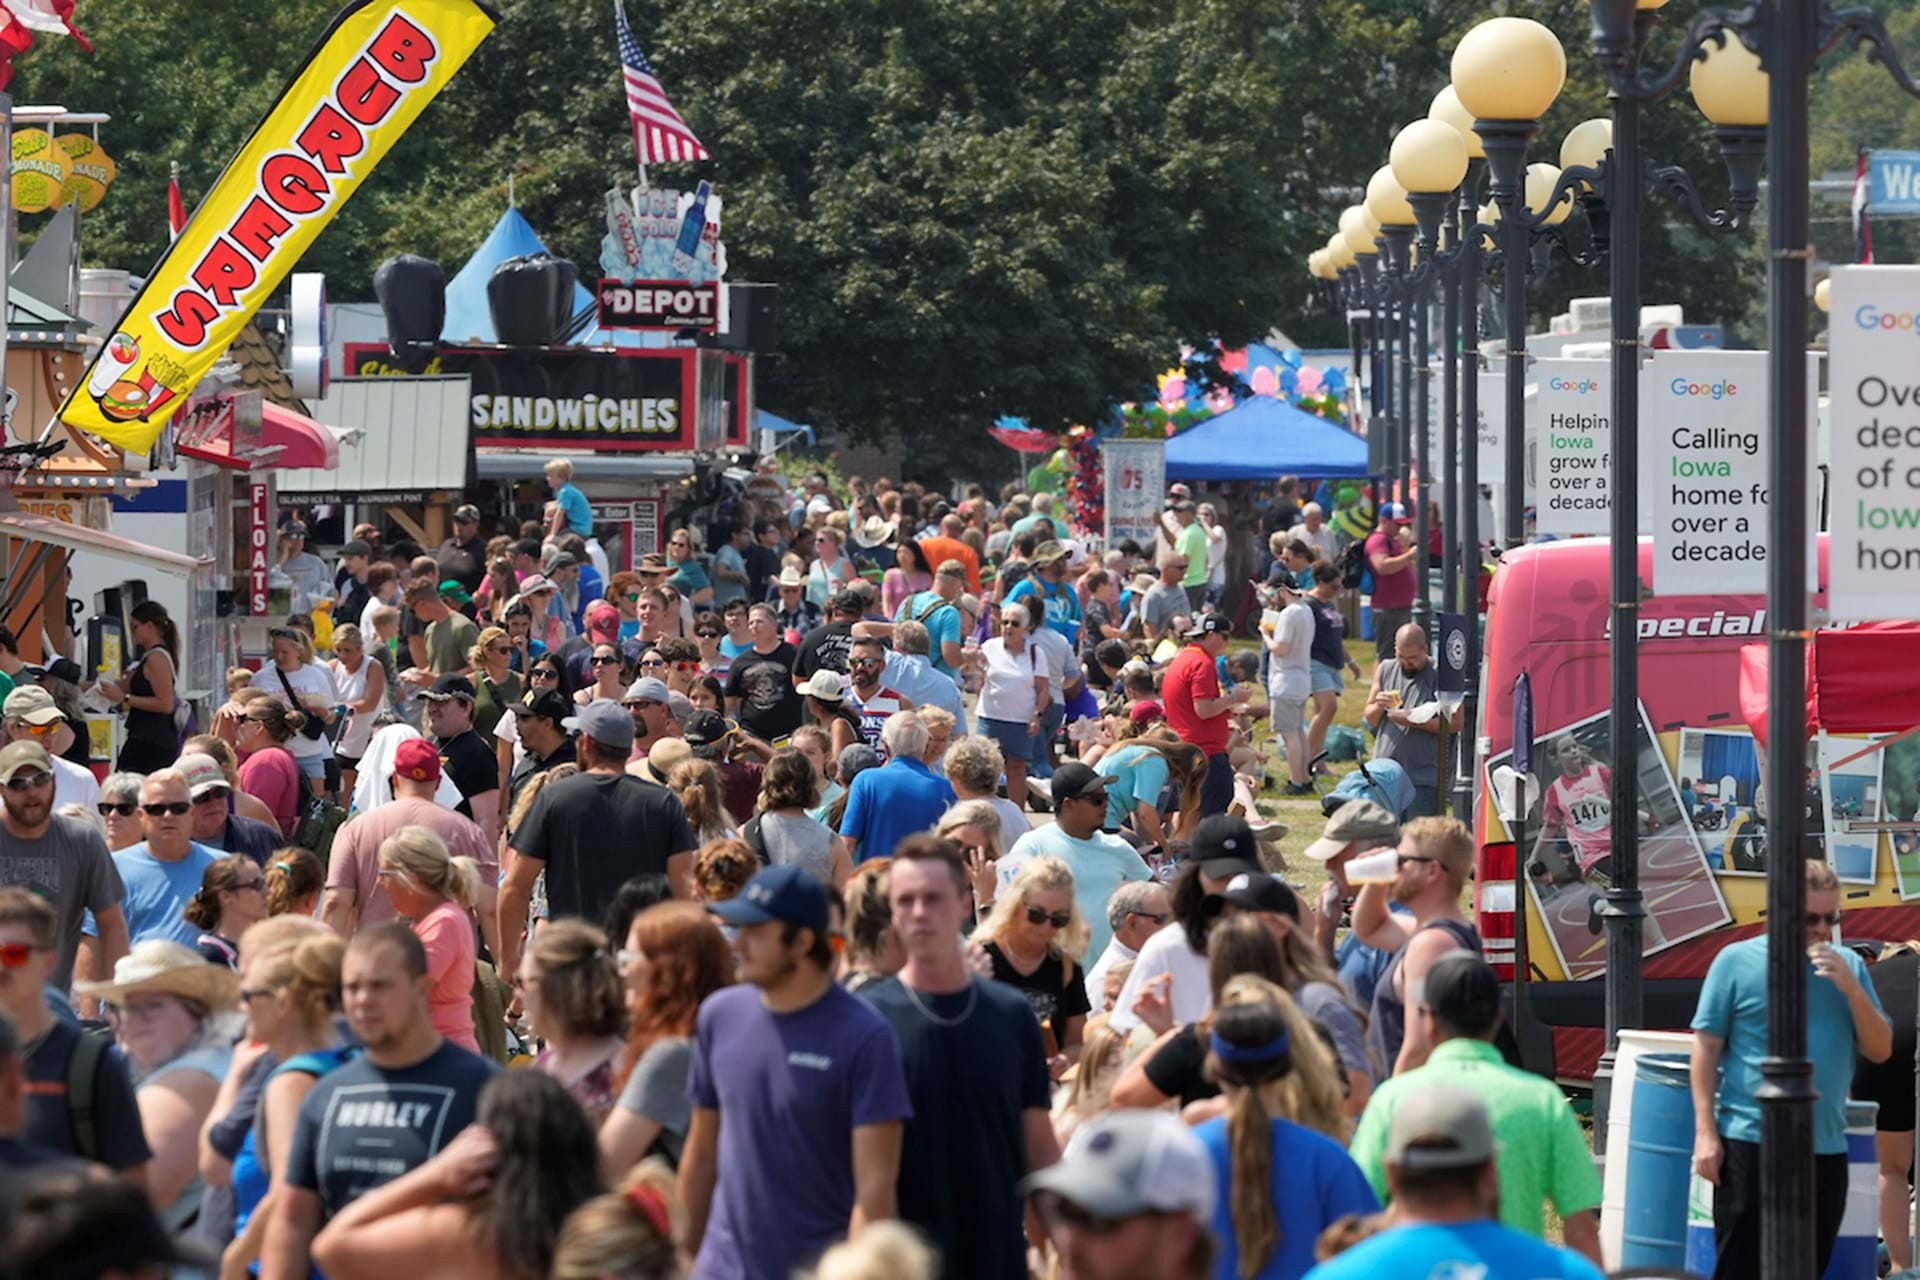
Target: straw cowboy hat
point(159, 966)
point(875, 531)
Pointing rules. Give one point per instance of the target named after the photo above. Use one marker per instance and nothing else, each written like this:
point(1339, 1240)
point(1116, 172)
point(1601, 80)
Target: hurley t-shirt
point(70, 867)
point(596, 831)
point(965, 1148)
point(770, 707)
point(790, 1088)
point(361, 1126)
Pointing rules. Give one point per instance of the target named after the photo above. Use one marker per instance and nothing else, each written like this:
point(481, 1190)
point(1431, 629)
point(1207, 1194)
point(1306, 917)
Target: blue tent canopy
point(768, 420)
point(469, 320)
point(1264, 439)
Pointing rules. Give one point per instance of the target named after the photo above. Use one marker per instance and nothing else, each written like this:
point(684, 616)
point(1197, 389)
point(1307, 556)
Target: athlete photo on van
point(1569, 842)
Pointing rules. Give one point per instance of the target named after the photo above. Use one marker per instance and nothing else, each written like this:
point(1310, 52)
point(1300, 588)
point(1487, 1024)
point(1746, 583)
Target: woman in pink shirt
point(438, 894)
point(268, 771)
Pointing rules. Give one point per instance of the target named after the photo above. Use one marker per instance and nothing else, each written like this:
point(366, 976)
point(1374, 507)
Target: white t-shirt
point(1013, 820)
point(1292, 676)
point(1217, 555)
point(1191, 994)
point(310, 679)
point(1321, 539)
point(1116, 952)
point(74, 784)
point(1007, 692)
point(1062, 666)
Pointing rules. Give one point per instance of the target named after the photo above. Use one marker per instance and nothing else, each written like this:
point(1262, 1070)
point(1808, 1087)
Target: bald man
point(1401, 685)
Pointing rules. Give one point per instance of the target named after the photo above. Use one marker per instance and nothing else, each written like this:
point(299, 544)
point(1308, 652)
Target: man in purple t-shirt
point(798, 1095)
point(1391, 553)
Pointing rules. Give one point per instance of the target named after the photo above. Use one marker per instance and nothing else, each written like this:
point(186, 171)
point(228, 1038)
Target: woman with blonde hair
point(627, 1233)
point(887, 1250)
point(289, 990)
point(674, 958)
point(696, 783)
point(1030, 936)
point(1141, 769)
point(495, 684)
point(362, 686)
point(1284, 1179)
point(438, 894)
point(1103, 1056)
point(570, 993)
point(974, 827)
point(294, 881)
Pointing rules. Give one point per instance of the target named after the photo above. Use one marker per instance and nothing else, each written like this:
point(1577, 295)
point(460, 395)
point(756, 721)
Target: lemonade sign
point(41, 171)
point(93, 171)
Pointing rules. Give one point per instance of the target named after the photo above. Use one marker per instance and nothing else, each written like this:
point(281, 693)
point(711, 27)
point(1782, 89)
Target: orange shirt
point(937, 549)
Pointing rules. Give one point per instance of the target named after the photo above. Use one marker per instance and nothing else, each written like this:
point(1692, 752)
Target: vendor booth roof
point(60, 533)
point(768, 420)
point(416, 437)
point(1851, 681)
point(1264, 439)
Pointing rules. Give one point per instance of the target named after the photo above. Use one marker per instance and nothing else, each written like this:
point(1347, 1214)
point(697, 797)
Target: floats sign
point(363, 85)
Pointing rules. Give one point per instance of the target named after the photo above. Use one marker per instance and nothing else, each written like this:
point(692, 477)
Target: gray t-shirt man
point(1161, 605)
point(1414, 750)
point(70, 867)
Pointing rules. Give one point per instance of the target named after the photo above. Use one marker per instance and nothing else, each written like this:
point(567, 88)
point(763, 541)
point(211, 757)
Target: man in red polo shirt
point(1197, 710)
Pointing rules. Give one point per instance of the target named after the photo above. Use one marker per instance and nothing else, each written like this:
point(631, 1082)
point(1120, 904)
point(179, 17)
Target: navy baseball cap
point(788, 894)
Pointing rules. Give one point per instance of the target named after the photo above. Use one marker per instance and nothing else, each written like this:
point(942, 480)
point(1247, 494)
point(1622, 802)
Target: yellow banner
point(371, 75)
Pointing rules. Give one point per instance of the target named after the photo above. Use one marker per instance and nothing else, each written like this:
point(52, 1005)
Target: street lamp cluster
point(1747, 71)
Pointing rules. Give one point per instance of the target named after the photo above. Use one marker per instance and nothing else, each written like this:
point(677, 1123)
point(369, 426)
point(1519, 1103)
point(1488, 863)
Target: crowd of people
point(872, 885)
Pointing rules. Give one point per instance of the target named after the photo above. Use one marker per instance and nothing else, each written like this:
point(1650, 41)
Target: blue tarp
point(469, 320)
point(767, 420)
point(1264, 439)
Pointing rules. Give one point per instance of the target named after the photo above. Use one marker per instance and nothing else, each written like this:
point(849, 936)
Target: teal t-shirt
point(942, 624)
point(575, 507)
point(689, 578)
point(1100, 864)
point(1733, 1006)
point(1139, 776)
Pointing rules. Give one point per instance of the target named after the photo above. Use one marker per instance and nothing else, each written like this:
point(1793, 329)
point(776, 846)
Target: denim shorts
point(1328, 679)
point(1016, 743)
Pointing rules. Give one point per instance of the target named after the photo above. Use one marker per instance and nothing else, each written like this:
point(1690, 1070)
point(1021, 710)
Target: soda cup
point(1378, 867)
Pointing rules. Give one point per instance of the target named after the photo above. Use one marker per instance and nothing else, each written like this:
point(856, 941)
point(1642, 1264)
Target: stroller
point(1384, 782)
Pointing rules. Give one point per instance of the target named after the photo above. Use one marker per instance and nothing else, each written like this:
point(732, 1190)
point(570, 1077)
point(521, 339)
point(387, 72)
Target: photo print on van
point(1900, 806)
point(1569, 835)
point(1719, 788)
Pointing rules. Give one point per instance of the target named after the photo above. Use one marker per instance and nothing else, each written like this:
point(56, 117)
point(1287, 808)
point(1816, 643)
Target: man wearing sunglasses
point(469, 761)
point(1843, 1014)
point(31, 715)
point(215, 824)
point(163, 872)
point(1137, 910)
point(1101, 863)
point(62, 860)
point(648, 702)
point(1131, 1199)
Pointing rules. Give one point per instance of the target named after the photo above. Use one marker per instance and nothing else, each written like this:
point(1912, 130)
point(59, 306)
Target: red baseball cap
point(603, 620)
point(1146, 710)
point(418, 759)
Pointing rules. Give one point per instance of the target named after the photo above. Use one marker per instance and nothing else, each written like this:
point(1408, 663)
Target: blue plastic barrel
point(1659, 1164)
point(1856, 1251)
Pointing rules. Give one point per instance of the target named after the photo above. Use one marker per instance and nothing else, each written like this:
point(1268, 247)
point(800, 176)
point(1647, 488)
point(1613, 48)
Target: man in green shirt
point(1543, 1155)
point(450, 636)
point(1191, 542)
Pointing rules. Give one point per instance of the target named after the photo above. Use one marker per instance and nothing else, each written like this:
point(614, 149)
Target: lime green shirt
point(1191, 542)
point(1543, 1155)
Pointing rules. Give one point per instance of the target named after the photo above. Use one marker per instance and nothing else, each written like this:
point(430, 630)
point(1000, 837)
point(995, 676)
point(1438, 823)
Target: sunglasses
point(1056, 1211)
point(211, 793)
point(499, 648)
point(124, 808)
point(249, 994)
point(19, 783)
point(1815, 917)
point(260, 884)
point(1402, 859)
point(15, 954)
point(708, 635)
point(1059, 919)
point(686, 666)
point(602, 659)
point(176, 808)
point(865, 663)
point(42, 730)
point(1158, 917)
point(653, 664)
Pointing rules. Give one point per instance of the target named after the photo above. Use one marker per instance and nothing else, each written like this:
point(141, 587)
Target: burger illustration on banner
point(124, 395)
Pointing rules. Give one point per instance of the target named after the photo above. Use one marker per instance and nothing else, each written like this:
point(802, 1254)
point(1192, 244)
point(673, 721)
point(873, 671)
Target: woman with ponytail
point(438, 894)
point(146, 694)
point(294, 881)
point(1282, 1182)
point(289, 991)
point(232, 898)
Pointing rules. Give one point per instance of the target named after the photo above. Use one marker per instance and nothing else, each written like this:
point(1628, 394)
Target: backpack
point(83, 1081)
point(1352, 563)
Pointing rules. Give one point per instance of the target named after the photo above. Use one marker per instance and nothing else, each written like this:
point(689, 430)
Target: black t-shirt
point(1053, 996)
point(531, 766)
point(361, 1126)
point(1177, 1067)
point(1285, 515)
point(763, 565)
point(1896, 980)
point(119, 1140)
point(462, 561)
point(472, 767)
point(824, 648)
point(1329, 628)
point(596, 831)
point(770, 707)
point(964, 1150)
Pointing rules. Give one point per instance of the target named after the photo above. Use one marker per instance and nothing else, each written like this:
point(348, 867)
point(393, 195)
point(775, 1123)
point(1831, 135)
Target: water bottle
point(692, 227)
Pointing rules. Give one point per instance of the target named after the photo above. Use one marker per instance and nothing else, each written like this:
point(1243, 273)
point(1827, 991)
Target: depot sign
point(376, 68)
point(659, 304)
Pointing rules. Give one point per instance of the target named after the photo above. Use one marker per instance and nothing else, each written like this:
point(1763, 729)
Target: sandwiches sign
point(373, 72)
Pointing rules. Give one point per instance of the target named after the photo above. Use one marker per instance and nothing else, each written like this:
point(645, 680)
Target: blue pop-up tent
point(1263, 439)
point(468, 318)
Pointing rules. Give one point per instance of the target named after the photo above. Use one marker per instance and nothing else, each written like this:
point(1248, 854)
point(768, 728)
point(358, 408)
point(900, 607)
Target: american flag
point(659, 134)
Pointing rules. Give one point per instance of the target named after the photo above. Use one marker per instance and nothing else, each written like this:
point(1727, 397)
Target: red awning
point(303, 442)
point(1858, 681)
